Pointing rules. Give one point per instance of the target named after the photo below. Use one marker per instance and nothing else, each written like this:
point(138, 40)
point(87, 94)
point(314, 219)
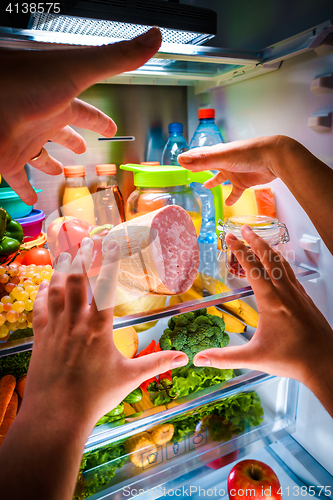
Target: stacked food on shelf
point(159, 264)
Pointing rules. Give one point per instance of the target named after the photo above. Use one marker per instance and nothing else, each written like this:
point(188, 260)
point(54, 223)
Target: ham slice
point(159, 252)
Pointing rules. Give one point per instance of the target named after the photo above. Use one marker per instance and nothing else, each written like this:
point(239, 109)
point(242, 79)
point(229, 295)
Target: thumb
point(227, 358)
point(85, 67)
point(153, 364)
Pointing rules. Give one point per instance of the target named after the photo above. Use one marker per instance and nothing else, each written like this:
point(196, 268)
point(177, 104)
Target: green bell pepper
point(11, 234)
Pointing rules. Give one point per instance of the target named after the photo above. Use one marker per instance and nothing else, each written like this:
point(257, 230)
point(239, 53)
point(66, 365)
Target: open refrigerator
point(284, 89)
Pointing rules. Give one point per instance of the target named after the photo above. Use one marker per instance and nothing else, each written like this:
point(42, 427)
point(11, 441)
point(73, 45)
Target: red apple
point(253, 480)
point(220, 462)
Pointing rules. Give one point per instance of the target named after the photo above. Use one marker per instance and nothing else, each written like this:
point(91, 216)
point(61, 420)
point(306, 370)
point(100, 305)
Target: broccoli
point(194, 332)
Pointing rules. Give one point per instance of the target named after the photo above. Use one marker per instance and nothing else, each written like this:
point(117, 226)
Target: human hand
point(293, 339)
point(76, 374)
point(245, 163)
point(37, 102)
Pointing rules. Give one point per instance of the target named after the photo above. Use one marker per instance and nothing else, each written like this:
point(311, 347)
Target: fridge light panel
point(109, 29)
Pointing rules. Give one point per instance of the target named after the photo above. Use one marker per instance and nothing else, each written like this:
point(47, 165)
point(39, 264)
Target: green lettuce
point(186, 381)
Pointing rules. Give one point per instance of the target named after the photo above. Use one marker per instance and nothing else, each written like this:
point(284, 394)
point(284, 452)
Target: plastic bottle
point(77, 200)
point(206, 134)
point(175, 145)
point(109, 203)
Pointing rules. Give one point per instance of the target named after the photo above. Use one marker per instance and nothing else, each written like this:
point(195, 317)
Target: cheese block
point(159, 252)
point(254, 201)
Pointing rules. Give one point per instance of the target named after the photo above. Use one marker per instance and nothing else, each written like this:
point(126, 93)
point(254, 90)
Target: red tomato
point(38, 256)
point(17, 262)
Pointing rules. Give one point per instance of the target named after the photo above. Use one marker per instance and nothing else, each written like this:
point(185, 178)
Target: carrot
point(7, 386)
point(20, 385)
point(9, 417)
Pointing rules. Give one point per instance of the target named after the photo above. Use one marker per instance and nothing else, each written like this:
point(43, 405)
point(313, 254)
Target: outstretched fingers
point(106, 286)
point(86, 116)
point(85, 67)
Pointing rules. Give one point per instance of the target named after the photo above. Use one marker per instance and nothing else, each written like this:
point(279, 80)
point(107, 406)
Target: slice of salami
point(159, 252)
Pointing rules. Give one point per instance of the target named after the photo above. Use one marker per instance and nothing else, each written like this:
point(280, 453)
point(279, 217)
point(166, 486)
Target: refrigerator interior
point(276, 103)
point(281, 103)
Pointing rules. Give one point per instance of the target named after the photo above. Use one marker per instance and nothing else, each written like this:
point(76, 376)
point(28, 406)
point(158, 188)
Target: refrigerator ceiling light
point(53, 23)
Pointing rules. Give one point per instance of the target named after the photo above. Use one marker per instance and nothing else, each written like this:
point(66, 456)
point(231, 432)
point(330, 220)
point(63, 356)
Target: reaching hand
point(37, 102)
point(293, 339)
point(76, 372)
point(245, 163)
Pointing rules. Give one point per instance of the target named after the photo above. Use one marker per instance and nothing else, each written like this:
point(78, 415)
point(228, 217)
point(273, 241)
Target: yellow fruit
point(162, 434)
point(128, 409)
point(126, 341)
point(136, 447)
point(232, 324)
point(238, 307)
point(127, 304)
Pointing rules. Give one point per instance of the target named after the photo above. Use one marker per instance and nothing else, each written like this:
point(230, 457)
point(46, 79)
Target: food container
point(32, 225)
point(158, 186)
point(12, 203)
point(268, 228)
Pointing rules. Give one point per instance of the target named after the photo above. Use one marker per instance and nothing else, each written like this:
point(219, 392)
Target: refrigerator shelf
point(302, 273)
point(197, 442)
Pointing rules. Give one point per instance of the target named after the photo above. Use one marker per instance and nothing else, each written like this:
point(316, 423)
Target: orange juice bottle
point(109, 203)
point(77, 200)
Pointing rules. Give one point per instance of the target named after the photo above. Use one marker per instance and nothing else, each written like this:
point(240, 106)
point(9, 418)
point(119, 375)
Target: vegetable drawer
point(150, 450)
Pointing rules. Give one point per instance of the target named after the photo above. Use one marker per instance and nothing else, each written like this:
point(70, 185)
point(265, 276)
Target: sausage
point(159, 252)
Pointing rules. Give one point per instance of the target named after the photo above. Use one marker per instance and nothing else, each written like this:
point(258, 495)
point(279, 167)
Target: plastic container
point(32, 224)
point(77, 200)
point(158, 186)
point(175, 145)
point(109, 203)
point(206, 134)
point(12, 203)
point(267, 227)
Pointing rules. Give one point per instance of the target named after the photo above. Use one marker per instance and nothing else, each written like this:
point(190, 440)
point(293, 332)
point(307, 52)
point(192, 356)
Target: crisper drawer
point(252, 409)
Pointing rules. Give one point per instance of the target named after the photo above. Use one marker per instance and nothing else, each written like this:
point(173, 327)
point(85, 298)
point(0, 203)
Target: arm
point(76, 375)
point(38, 92)
point(258, 161)
point(293, 339)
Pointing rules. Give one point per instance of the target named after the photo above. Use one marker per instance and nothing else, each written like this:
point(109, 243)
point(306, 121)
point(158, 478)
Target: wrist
point(61, 421)
point(284, 151)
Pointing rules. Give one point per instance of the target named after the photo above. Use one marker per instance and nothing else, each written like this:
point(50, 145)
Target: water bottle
point(175, 145)
point(206, 134)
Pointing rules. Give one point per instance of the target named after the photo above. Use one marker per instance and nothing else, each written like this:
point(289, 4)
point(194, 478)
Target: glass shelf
point(236, 292)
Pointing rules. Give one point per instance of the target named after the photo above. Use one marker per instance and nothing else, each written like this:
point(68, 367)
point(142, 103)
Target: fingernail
point(179, 361)
point(232, 237)
point(186, 159)
point(246, 228)
point(202, 361)
point(111, 245)
point(85, 242)
point(150, 38)
point(44, 284)
point(64, 257)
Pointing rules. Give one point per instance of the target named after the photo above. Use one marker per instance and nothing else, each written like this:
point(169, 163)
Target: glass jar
point(161, 185)
point(267, 227)
point(144, 200)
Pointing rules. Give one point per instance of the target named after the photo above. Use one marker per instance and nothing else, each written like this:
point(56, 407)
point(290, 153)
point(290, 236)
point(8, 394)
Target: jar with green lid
point(269, 228)
point(162, 185)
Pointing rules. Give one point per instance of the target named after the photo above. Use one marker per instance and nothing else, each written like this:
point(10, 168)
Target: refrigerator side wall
point(281, 103)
